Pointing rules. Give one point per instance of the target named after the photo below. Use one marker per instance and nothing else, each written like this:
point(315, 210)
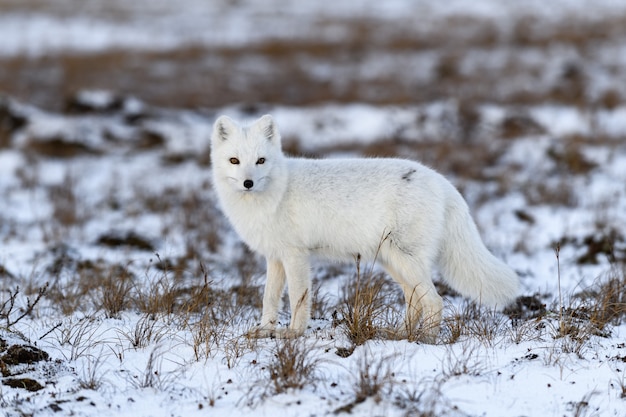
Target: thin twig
point(557, 251)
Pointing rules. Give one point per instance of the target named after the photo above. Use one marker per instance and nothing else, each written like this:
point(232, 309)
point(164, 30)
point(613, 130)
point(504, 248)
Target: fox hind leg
point(423, 305)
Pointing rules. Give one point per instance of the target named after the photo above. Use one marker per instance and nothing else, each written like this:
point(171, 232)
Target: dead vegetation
point(369, 309)
point(200, 77)
point(373, 379)
point(293, 366)
point(13, 307)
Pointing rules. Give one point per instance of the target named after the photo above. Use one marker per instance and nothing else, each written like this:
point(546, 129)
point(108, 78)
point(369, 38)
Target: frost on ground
point(123, 291)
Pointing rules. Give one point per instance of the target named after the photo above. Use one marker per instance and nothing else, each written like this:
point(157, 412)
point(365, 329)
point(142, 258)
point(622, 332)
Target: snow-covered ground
point(40, 28)
point(107, 210)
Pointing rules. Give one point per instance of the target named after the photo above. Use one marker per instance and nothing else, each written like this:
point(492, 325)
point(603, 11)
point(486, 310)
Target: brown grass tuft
point(293, 366)
point(374, 379)
point(367, 309)
point(116, 290)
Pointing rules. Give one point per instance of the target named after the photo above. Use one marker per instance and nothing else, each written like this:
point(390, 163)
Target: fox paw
point(260, 332)
point(428, 336)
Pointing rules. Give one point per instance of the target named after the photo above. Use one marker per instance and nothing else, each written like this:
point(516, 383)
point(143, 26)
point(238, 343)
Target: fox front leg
point(295, 271)
point(299, 285)
point(274, 287)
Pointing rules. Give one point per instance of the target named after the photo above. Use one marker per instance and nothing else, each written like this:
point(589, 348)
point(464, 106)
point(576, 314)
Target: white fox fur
point(398, 212)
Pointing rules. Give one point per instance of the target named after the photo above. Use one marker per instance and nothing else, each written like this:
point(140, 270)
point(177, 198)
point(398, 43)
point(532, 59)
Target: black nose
point(248, 184)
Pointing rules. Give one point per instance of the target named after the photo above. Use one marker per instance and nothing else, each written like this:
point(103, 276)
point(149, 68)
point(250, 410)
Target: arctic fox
point(397, 212)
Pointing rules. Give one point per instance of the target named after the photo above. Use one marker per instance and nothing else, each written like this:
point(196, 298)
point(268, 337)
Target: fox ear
point(223, 128)
point(267, 127)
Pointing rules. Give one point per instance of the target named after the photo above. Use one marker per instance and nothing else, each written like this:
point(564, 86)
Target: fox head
point(245, 159)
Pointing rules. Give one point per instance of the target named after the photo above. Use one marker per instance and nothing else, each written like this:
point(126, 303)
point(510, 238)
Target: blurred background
point(198, 53)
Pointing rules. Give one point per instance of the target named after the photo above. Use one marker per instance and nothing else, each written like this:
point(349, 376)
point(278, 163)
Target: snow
point(159, 25)
point(139, 364)
point(499, 378)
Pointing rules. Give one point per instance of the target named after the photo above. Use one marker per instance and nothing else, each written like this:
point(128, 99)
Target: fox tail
point(468, 266)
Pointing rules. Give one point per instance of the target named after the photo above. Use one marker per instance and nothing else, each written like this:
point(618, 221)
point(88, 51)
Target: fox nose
point(248, 184)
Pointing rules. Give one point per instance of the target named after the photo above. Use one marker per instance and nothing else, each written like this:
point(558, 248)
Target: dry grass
point(293, 366)
point(92, 378)
point(153, 375)
point(116, 291)
point(368, 308)
point(78, 337)
point(374, 378)
point(600, 307)
point(193, 71)
point(147, 331)
point(471, 321)
point(14, 310)
point(79, 285)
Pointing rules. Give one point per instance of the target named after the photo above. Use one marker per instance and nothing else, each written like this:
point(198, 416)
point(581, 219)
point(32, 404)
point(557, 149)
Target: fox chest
point(263, 231)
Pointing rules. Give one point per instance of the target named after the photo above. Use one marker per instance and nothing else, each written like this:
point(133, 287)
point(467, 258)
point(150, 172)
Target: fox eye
point(260, 161)
point(234, 161)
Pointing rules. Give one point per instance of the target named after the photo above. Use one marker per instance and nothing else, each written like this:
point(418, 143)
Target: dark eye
point(234, 161)
point(260, 161)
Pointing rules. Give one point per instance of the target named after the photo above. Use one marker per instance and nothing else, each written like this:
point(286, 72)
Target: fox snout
point(248, 184)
